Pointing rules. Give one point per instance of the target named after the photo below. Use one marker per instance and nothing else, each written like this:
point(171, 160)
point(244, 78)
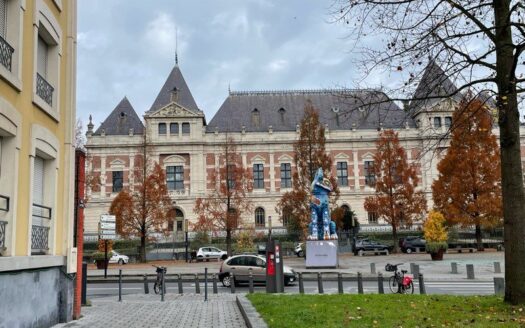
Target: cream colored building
point(264, 124)
point(37, 115)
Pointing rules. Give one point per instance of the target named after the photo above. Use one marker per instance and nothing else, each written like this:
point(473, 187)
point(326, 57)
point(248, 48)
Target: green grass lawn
point(386, 311)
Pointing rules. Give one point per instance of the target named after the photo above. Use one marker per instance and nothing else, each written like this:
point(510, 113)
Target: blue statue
point(321, 227)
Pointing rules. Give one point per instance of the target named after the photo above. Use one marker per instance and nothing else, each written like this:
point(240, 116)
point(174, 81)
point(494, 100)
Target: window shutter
point(38, 188)
point(3, 18)
point(42, 57)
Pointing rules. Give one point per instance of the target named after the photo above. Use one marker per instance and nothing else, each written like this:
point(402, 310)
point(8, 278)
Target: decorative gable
point(173, 110)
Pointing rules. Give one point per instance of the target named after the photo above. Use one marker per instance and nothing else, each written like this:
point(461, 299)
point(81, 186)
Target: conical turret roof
point(184, 96)
point(121, 119)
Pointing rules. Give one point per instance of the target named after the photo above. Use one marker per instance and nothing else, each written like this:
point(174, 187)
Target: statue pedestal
point(321, 254)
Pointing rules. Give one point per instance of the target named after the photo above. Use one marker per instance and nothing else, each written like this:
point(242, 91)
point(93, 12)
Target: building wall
point(35, 122)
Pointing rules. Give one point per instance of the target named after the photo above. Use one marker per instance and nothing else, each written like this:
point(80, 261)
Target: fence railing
point(44, 90)
point(4, 203)
point(2, 235)
point(6, 53)
point(40, 229)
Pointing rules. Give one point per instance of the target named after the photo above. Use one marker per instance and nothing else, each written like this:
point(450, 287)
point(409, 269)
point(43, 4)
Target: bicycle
point(399, 283)
point(161, 271)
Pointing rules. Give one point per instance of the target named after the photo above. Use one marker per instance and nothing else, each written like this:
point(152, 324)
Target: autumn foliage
point(143, 210)
point(223, 207)
point(436, 234)
point(468, 189)
point(396, 199)
point(309, 155)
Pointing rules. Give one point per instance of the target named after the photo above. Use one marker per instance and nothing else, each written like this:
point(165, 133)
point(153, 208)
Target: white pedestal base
point(321, 254)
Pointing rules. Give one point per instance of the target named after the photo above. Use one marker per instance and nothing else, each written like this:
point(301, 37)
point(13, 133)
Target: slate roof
point(121, 119)
point(283, 110)
point(184, 96)
point(435, 85)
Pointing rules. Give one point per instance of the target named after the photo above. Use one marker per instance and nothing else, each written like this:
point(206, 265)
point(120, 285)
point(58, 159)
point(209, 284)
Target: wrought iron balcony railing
point(6, 53)
point(44, 90)
point(4, 203)
point(40, 229)
point(2, 235)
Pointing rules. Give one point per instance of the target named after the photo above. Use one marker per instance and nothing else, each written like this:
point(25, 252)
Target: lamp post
point(269, 227)
point(186, 238)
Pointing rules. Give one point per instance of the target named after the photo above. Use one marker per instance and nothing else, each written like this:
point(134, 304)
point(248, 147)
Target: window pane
point(448, 121)
point(372, 217)
point(370, 179)
point(179, 225)
point(342, 173)
point(185, 128)
point(170, 177)
point(117, 181)
point(179, 177)
point(174, 128)
point(259, 217)
point(258, 176)
point(437, 122)
point(162, 128)
point(286, 175)
point(42, 57)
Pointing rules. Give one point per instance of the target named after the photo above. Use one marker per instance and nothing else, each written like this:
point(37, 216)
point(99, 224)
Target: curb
point(249, 313)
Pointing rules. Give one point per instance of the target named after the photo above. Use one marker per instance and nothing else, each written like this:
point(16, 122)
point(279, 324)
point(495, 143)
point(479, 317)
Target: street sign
point(107, 218)
point(108, 237)
point(107, 226)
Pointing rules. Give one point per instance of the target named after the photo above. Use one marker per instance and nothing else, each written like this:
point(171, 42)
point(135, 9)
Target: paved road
point(310, 287)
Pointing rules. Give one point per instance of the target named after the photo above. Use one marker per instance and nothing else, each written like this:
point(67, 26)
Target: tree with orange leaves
point(396, 199)
point(310, 154)
point(145, 209)
point(468, 189)
point(224, 206)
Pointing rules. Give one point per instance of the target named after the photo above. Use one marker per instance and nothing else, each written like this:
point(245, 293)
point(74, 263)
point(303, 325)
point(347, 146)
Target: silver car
point(241, 265)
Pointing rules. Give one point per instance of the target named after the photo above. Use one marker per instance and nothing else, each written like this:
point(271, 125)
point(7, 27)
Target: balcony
point(2, 235)
point(40, 229)
point(6, 54)
point(44, 90)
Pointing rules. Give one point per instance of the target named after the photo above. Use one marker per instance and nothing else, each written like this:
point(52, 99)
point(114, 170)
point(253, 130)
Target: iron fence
point(4, 203)
point(40, 229)
point(2, 235)
point(6, 53)
point(44, 90)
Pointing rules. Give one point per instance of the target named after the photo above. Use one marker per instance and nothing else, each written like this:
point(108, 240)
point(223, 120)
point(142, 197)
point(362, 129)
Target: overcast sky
point(126, 48)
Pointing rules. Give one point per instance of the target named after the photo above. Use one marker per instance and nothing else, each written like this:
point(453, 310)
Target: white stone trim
point(285, 159)
point(17, 263)
point(15, 22)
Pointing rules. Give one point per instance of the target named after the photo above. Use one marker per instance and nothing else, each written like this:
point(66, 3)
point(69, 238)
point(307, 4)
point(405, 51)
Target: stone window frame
point(10, 125)
point(289, 179)
point(368, 176)
point(14, 37)
point(164, 131)
point(175, 160)
point(46, 26)
point(45, 144)
point(342, 180)
point(260, 217)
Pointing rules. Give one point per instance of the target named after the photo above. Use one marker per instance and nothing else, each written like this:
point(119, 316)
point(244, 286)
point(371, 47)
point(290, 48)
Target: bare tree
point(481, 45)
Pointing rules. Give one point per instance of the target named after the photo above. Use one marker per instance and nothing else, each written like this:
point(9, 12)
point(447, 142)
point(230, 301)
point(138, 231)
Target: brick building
point(265, 126)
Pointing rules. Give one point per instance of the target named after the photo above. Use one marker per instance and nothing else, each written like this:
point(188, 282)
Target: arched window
point(259, 217)
point(282, 111)
point(287, 216)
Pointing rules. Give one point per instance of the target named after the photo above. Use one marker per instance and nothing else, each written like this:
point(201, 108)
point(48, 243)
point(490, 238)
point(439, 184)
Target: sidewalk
point(433, 270)
point(189, 310)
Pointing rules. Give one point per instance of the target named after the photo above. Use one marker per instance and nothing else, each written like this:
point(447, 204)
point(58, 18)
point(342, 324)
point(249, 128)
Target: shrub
point(435, 232)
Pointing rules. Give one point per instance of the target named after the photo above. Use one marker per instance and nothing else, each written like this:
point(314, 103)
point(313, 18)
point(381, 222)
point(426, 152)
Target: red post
point(80, 189)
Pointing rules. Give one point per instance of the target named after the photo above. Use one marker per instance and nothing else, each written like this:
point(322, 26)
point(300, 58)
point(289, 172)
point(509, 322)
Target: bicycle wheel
point(156, 287)
point(393, 284)
point(408, 289)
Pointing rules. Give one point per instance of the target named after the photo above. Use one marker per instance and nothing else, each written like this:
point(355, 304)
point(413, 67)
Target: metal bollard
point(301, 284)
point(372, 268)
point(360, 283)
point(497, 267)
point(232, 284)
point(499, 286)
point(454, 267)
point(120, 285)
point(415, 270)
point(179, 282)
point(320, 283)
point(251, 282)
point(146, 285)
point(163, 289)
point(205, 284)
point(422, 289)
point(340, 283)
point(470, 271)
point(197, 285)
point(214, 283)
point(380, 286)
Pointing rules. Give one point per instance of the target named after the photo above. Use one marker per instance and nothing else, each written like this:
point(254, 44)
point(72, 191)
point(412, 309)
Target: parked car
point(410, 244)
point(363, 245)
point(240, 266)
point(118, 258)
point(207, 253)
point(299, 250)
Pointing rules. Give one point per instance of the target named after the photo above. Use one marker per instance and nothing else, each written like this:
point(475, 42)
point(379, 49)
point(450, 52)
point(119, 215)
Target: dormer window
point(174, 94)
point(256, 117)
point(282, 111)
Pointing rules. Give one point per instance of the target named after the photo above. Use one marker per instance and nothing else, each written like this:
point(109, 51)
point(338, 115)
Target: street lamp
point(186, 238)
point(269, 227)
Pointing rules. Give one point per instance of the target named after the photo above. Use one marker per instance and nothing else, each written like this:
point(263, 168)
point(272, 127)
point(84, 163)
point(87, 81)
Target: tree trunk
point(394, 235)
point(511, 171)
point(229, 242)
point(143, 249)
point(479, 239)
